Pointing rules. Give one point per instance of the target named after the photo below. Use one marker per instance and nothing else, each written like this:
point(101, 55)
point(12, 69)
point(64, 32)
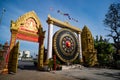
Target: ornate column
point(80, 55)
point(12, 42)
point(50, 34)
point(10, 55)
point(41, 54)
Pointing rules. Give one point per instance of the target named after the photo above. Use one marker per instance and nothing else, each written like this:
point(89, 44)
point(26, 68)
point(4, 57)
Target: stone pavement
point(74, 73)
point(91, 74)
point(34, 75)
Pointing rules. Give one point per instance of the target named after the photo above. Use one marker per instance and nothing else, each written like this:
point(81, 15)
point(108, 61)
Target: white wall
point(27, 52)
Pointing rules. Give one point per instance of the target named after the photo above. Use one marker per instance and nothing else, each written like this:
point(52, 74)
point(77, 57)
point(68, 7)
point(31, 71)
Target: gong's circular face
point(66, 45)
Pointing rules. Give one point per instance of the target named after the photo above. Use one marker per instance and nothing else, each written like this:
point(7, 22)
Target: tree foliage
point(112, 22)
point(1, 46)
point(104, 51)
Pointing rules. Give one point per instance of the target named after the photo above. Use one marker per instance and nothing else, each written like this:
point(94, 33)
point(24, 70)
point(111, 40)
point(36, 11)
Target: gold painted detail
point(13, 39)
point(41, 55)
point(29, 22)
point(26, 27)
point(29, 25)
point(89, 52)
point(62, 24)
point(13, 59)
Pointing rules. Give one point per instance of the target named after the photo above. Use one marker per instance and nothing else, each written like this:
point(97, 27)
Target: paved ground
point(91, 74)
point(27, 71)
point(34, 75)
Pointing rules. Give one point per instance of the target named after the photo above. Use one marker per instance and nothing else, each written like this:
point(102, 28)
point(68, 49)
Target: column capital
point(79, 32)
point(50, 21)
point(14, 31)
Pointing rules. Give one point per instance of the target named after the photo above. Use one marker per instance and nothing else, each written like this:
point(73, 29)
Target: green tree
point(1, 46)
point(105, 51)
point(112, 22)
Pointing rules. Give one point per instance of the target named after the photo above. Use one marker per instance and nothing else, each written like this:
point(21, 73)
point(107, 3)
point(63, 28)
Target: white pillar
point(49, 45)
point(80, 55)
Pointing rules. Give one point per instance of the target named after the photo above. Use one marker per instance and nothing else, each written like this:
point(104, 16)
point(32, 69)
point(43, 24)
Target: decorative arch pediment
point(24, 21)
point(28, 27)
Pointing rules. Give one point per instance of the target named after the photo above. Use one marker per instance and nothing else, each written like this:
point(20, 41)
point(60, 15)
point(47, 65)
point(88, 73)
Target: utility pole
point(3, 11)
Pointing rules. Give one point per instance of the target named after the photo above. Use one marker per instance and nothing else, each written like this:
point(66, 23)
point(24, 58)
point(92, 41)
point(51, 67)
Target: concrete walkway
point(34, 75)
point(91, 74)
point(71, 73)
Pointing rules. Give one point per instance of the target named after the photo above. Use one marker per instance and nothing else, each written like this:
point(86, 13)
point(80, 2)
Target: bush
point(105, 52)
point(118, 64)
point(1, 58)
point(76, 61)
point(105, 59)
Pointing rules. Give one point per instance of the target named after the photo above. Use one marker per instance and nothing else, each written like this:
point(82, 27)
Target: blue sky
point(87, 12)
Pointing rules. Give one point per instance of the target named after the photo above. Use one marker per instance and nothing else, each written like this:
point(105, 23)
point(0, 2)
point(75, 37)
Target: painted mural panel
point(29, 25)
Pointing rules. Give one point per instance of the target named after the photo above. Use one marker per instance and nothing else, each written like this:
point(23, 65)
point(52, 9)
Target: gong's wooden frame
point(62, 24)
point(52, 21)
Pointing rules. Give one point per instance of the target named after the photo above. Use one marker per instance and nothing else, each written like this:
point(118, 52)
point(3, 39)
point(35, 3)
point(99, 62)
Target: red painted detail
point(8, 53)
point(7, 56)
point(68, 44)
point(55, 65)
point(28, 38)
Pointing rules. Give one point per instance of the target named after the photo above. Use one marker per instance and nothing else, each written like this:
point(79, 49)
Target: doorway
point(28, 54)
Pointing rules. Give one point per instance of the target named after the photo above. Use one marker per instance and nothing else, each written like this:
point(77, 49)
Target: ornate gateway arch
point(27, 27)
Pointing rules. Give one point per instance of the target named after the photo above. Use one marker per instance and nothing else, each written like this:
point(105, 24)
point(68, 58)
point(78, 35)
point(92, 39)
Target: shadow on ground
point(27, 67)
point(115, 75)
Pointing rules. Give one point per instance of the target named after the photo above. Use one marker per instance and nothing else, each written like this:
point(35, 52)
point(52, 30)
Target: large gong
point(66, 45)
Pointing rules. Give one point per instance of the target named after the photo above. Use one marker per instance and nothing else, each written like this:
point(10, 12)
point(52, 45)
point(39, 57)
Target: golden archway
point(27, 27)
